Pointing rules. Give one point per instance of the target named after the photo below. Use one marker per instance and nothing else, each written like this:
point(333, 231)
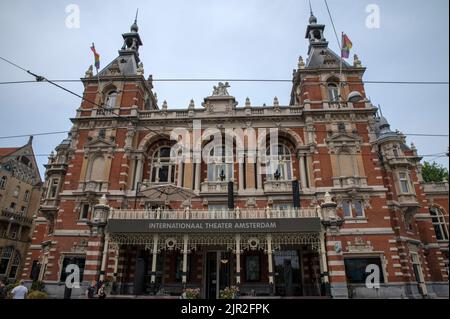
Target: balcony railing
point(267, 213)
point(5, 214)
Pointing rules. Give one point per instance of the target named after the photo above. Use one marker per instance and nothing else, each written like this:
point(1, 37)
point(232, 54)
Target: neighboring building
point(335, 191)
point(20, 194)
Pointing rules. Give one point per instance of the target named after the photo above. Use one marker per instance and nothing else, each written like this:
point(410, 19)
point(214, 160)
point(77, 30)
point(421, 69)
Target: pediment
point(343, 138)
point(98, 143)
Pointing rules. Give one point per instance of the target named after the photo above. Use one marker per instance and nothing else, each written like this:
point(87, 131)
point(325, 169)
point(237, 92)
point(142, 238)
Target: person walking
point(3, 292)
point(20, 292)
point(102, 292)
point(91, 290)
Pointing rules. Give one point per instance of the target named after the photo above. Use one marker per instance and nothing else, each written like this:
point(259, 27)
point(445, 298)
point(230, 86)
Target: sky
point(258, 39)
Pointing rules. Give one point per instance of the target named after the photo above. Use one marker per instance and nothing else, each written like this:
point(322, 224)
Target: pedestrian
point(20, 292)
point(3, 292)
point(91, 290)
point(102, 292)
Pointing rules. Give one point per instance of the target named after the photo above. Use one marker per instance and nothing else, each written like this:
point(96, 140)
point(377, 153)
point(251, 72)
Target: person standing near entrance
point(20, 292)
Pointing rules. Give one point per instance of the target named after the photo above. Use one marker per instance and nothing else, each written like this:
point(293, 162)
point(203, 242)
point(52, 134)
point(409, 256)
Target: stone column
point(198, 165)
point(241, 175)
point(269, 258)
point(238, 259)
point(104, 258)
point(139, 171)
point(180, 174)
point(258, 174)
point(323, 265)
point(302, 171)
point(154, 258)
point(185, 251)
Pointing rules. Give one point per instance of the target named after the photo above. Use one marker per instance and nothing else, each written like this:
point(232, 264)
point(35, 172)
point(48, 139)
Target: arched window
point(3, 181)
point(97, 172)
point(279, 165)
point(163, 167)
point(333, 92)
point(14, 265)
point(111, 98)
point(439, 224)
point(219, 168)
point(26, 196)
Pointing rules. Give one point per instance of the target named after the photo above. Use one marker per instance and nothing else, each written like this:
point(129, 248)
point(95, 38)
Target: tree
point(434, 172)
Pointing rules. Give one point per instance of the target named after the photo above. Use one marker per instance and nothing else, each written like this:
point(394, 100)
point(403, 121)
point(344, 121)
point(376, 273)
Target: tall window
point(405, 185)
point(163, 167)
point(84, 212)
point(5, 257)
point(219, 169)
point(26, 196)
point(111, 98)
point(333, 92)
point(53, 190)
point(353, 209)
point(439, 224)
point(279, 165)
point(3, 181)
point(14, 266)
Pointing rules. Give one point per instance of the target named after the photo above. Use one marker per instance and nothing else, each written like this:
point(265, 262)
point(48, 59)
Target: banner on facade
point(294, 225)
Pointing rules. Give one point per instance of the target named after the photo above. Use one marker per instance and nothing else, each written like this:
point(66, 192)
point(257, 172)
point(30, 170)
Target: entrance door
point(217, 273)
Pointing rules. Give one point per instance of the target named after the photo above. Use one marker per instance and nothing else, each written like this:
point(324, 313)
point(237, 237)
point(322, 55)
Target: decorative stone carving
point(359, 246)
point(221, 89)
point(89, 73)
point(301, 63)
point(140, 69)
point(356, 61)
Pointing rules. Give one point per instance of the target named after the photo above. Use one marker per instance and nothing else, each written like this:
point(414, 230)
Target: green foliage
point(434, 172)
point(229, 293)
point(38, 286)
point(37, 295)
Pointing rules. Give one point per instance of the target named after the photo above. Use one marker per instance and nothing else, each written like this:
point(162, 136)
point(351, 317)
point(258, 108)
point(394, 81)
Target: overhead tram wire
point(249, 80)
point(362, 154)
point(43, 79)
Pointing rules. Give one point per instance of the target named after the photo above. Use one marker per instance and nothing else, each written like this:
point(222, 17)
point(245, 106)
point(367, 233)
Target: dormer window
point(111, 98)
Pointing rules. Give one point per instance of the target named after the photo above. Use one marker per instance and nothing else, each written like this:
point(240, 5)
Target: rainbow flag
point(96, 56)
point(346, 46)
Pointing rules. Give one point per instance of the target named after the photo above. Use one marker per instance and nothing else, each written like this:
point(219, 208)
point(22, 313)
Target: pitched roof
point(8, 150)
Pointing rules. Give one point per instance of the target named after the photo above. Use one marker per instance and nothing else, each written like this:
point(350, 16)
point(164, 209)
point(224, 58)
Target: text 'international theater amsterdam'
point(312, 199)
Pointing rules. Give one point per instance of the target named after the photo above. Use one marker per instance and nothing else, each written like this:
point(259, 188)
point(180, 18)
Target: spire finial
point(134, 27)
point(312, 18)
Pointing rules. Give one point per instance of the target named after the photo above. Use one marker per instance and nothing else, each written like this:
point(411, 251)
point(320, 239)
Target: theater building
point(325, 191)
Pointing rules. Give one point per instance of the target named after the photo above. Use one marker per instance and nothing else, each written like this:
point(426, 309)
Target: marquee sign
point(293, 225)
